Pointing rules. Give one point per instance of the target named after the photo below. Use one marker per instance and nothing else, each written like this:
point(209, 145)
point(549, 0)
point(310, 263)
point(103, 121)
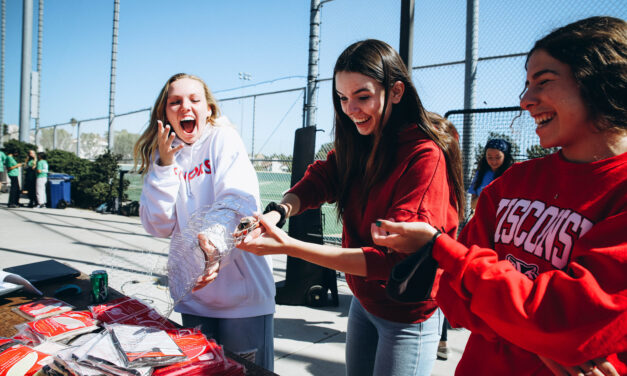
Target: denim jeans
point(375, 346)
point(249, 337)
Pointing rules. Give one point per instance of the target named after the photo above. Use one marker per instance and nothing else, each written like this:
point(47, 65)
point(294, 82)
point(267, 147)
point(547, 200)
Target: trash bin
point(59, 195)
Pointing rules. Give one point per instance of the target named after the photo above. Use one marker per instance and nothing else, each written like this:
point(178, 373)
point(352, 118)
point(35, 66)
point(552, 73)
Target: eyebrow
point(355, 92)
point(540, 73)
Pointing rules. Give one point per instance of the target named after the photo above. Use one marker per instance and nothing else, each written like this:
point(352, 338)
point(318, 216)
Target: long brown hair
point(370, 156)
point(146, 145)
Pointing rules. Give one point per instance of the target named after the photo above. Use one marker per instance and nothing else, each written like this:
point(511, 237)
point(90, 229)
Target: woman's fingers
point(390, 226)
point(210, 275)
point(600, 366)
point(212, 265)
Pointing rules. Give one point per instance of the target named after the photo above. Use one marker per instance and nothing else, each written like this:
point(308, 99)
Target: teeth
point(188, 118)
point(360, 121)
point(543, 118)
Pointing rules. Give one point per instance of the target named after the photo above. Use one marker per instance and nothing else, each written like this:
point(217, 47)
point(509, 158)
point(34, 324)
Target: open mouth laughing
point(543, 118)
point(188, 124)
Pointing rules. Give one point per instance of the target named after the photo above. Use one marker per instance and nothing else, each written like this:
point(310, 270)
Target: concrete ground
point(308, 341)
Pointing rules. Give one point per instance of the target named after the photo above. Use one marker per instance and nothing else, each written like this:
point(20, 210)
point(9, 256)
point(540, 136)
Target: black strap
point(411, 280)
point(273, 206)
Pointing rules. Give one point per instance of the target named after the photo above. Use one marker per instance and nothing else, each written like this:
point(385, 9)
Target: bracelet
point(273, 206)
point(435, 236)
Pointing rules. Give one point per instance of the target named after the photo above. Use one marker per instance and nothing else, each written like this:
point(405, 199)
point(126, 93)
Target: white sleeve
point(157, 208)
point(235, 186)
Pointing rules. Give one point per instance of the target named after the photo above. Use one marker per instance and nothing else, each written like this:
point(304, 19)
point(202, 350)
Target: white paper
point(8, 287)
point(18, 280)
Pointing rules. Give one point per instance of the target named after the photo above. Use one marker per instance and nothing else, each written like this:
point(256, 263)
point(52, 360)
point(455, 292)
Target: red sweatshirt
point(415, 190)
point(546, 271)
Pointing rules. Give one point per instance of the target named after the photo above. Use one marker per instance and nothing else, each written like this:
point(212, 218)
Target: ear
point(397, 91)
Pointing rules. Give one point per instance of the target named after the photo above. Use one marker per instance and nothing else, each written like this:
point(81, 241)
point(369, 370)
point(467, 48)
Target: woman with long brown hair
point(389, 161)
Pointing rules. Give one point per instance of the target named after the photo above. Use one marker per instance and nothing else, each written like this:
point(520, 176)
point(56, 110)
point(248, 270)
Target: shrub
point(18, 148)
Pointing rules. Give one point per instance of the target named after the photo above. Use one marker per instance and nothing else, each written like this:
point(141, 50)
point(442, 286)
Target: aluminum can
point(99, 281)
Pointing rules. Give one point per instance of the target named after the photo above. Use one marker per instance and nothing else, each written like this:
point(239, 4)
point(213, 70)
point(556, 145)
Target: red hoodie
point(415, 190)
point(546, 271)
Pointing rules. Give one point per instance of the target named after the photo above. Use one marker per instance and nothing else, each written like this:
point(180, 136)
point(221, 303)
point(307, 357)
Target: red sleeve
point(318, 185)
point(570, 316)
point(419, 195)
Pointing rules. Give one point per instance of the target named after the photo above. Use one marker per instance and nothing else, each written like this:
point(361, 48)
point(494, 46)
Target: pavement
point(307, 341)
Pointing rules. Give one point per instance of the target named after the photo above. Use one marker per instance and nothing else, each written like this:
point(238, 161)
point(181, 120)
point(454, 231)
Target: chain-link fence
point(267, 121)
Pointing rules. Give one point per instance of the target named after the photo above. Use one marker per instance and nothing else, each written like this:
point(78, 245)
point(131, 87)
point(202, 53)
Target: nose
point(351, 107)
point(528, 99)
point(186, 104)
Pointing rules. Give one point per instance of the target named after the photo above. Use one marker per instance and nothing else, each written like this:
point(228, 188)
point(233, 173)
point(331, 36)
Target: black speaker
point(306, 283)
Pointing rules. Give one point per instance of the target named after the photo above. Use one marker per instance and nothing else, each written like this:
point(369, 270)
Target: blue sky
point(217, 39)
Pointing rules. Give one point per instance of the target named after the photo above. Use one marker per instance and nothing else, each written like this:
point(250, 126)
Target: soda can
point(99, 286)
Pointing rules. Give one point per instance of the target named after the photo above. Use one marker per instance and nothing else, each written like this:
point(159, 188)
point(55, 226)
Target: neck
point(607, 144)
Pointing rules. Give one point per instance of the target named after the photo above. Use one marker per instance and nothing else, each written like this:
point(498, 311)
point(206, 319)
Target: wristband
point(435, 236)
point(273, 206)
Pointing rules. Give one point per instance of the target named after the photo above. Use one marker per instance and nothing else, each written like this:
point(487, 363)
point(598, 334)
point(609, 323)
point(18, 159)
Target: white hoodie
point(213, 169)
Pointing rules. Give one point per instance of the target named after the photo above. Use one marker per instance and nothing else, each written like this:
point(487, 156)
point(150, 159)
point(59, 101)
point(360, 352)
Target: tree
point(92, 144)
point(45, 138)
point(537, 151)
point(324, 150)
point(18, 148)
point(124, 143)
point(65, 140)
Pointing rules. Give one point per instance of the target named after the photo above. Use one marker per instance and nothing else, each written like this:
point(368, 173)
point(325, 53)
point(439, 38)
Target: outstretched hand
point(596, 367)
point(164, 143)
point(211, 263)
point(405, 237)
point(266, 239)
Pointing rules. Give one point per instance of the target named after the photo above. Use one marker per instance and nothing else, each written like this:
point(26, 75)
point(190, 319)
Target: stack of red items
point(21, 360)
point(42, 308)
point(58, 328)
point(130, 311)
point(206, 357)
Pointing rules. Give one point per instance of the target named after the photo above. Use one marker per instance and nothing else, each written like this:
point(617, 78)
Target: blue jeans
point(375, 346)
point(249, 337)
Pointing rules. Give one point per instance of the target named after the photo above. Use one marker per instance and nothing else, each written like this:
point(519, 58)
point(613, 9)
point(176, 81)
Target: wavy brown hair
point(595, 48)
point(146, 145)
point(369, 157)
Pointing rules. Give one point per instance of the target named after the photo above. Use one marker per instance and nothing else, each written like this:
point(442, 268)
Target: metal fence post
point(27, 45)
point(78, 139)
point(252, 152)
point(472, 54)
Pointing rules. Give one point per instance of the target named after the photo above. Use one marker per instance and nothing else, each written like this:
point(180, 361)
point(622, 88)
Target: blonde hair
point(146, 145)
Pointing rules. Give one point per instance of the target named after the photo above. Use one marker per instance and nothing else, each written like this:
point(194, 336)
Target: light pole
point(244, 76)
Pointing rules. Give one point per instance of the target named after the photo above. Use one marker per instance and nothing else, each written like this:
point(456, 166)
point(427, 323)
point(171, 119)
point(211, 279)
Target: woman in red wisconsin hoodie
point(539, 274)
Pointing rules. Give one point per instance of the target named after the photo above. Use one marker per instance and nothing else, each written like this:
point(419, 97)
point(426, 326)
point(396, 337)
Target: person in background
point(13, 171)
point(30, 178)
point(388, 161)
point(42, 179)
point(496, 158)
point(538, 275)
point(191, 158)
point(3, 158)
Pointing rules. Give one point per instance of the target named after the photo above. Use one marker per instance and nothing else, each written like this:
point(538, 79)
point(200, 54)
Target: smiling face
point(554, 100)
point(362, 99)
point(495, 158)
point(187, 109)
